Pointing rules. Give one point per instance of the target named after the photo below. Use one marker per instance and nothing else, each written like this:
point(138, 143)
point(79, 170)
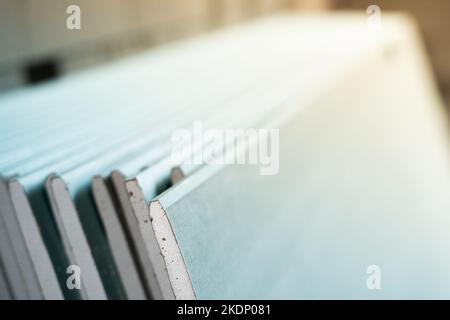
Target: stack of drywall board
point(68, 148)
point(121, 118)
point(363, 184)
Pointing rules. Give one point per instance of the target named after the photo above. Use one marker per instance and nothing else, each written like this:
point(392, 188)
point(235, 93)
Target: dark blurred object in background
point(31, 31)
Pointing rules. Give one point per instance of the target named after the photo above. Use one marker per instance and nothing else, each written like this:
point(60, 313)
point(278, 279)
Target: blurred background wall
point(35, 43)
point(433, 17)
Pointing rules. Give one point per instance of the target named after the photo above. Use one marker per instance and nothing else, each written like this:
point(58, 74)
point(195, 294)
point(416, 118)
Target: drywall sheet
point(148, 244)
point(74, 238)
point(5, 292)
point(9, 259)
point(35, 247)
point(108, 209)
point(363, 184)
point(16, 239)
